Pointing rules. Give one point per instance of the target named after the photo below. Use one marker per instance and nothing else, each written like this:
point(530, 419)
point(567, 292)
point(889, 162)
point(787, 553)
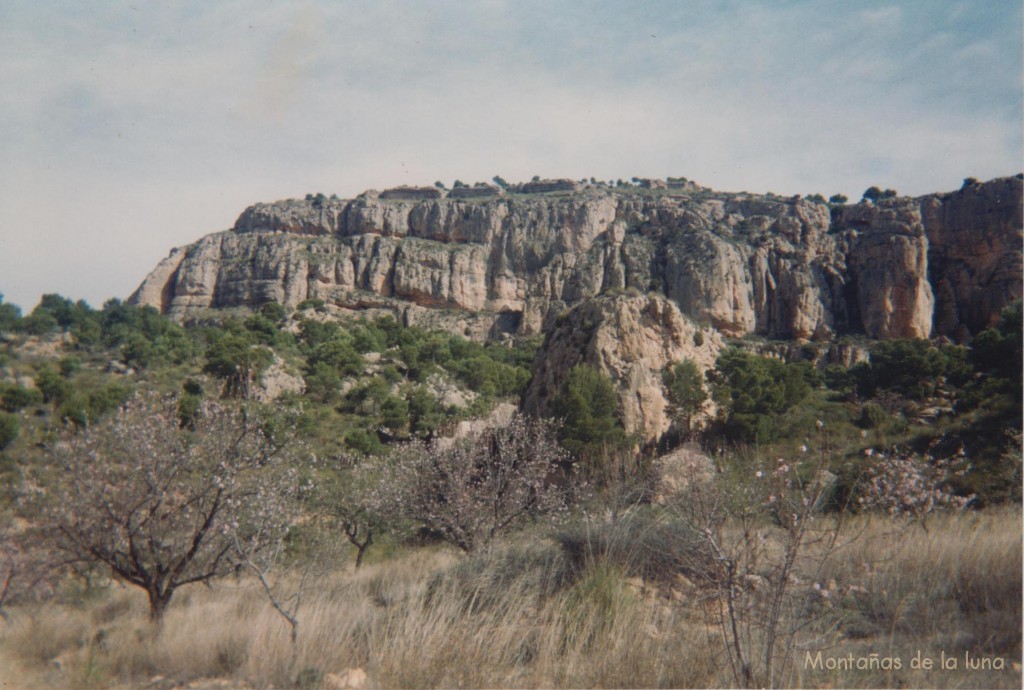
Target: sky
point(129, 128)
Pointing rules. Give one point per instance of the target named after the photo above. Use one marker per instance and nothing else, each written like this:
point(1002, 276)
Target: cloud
point(888, 17)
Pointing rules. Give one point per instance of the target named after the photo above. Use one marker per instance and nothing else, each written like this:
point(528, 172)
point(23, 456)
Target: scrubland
point(599, 603)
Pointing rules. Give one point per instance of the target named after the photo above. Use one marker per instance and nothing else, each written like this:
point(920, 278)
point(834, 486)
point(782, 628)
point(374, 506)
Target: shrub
point(16, 397)
point(338, 354)
point(872, 416)
point(591, 429)
point(310, 304)
point(8, 430)
point(425, 413)
point(997, 352)
point(137, 351)
point(238, 362)
point(273, 311)
point(477, 488)
point(913, 368)
point(52, 385)
point(10, 315)
point(39, 323)
point(838, 378)
point(363, 442)
point(642, 543)
point(755, 390)
point(322, 382)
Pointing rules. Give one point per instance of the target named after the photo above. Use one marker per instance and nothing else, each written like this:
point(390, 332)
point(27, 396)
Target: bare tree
point(472, 490)
point(26, 571)
point(765, 595)
point(261, 550)
point(350, 504)
point(163, 506)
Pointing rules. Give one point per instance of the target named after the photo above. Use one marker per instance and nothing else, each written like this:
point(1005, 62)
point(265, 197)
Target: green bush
point(912, 368)
point(313, 333)
point(145, 337)
point(591, 427)
point(755, 391)
point(41, 323)
point(425, 412)
point(238, 361)
point(872, 416)
point(10, 316)
point(137, 351)
point(8, 430)
point(338, 354)
point(273, 311)
point(394, 413)
point(323, 383)
point(997, 352)
point(189, 406)
point(838, 378)
point(14, 397)
point(363, 441)
point(310, 304)
point(368, 338)
point(52, 385)
point(84, 408)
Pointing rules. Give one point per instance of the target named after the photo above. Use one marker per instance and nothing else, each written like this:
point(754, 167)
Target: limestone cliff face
point(974, 255)
point(739, 263)
point(887, 260)
point(631, 339)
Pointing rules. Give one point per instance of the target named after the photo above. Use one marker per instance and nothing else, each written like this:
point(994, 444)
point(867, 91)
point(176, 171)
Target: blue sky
point(127, 128)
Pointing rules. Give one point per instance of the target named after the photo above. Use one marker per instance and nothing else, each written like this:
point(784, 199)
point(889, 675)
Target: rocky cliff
point(631, 339)
point(942, 264)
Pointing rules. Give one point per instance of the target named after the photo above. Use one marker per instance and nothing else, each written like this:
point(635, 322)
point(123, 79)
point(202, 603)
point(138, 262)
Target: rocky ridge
point(942, 264)
point(628, 282)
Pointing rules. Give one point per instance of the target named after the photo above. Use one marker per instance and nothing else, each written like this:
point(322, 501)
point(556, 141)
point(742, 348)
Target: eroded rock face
point(783, 268)
point(631, 339)
point(974, 255)
point(887, 261)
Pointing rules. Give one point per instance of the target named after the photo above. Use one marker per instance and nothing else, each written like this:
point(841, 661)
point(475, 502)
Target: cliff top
point(670, 188)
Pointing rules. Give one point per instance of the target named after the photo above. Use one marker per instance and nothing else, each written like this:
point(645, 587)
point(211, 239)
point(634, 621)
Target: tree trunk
point(361, 551)
point(158, 602)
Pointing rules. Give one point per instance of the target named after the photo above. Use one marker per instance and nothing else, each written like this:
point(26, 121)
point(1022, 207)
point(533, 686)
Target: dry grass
point(951, 585)
point(525, 616)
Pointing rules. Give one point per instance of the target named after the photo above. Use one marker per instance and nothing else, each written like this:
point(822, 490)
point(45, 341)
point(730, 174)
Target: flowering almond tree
point(24, 568)
point(911, 484)
point(164, 506)
point(475, 488)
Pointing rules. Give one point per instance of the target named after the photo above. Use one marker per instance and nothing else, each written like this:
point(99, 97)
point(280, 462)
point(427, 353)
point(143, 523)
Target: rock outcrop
point(511, 262)
point(974, 254)
point(631, 339)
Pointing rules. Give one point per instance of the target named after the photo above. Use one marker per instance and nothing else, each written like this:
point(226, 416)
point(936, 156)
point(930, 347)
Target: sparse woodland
point(277, 499)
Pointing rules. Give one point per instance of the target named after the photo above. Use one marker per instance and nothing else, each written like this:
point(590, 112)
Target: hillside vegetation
point(364, 495)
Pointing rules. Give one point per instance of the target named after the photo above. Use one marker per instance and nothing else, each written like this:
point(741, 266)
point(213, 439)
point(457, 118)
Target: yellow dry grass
point(419, 620)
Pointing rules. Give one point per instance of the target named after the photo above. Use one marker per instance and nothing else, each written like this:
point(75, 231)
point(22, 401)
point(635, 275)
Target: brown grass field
point(514, 617)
